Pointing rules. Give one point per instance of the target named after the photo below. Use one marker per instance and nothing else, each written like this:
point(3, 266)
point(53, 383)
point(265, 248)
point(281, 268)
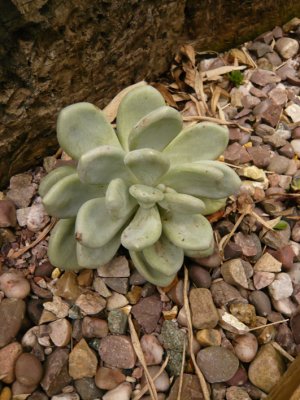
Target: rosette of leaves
point(146, 186)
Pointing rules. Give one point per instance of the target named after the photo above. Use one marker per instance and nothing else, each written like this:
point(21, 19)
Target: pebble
point(266, 369)
point(123, 391)
point(285, 255)
point(94, 327)
point(171, 336)
point(21, 190)
point(90, 303)
point(261, 302)
point(295, 327)
point(161, 383)
point(233, 273)
point(82, 361)
point(243, 312)
point(237, 393)
point(152, 349)
point(230, 323)
point(260, 156)
point(7, 214)
point(66, 396)
point(87, 389)
point(285, 306)
point(223, 293)
point(117, 322)
point(262, 279)
point(60, 332)
point(218, 364)
point(212, 261)
point(278, 164)
point(267, 263)
point(21, 391)
point(58, 307)
point(109, 378)
point(287, 47)
point(37, 218)
point(203, 310)
point(118, 267)
point(67, 286)
point(28, 370)
point(245, 347)
point(5, 393)
point(56, 375)
point(176, 293)
point(12, 312)
point(119, 285)
point(8, 357)
point(85, 278)
point(115, 301)
point(279, 97)
point(209, 337)
point(117, 351)
point(293, 111)
point(14, 285)
point(147, 312)
point(100, 287)
point(263, 77)
point(296, 146)
point(191, 389)
point(281, 287)
point(200, 276)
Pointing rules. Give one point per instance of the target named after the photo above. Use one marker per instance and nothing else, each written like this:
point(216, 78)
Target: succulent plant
point(146, 186)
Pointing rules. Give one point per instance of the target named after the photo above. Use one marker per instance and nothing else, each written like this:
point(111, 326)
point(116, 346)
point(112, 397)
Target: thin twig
point(139, 352)
point(181, 373)
point(41, 236)
point(282, 351)
point(216, 120)
point(264, 326)
point(190, 331)
point(145, 388)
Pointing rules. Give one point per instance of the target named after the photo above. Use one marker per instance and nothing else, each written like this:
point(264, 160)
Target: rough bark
point(57, 52)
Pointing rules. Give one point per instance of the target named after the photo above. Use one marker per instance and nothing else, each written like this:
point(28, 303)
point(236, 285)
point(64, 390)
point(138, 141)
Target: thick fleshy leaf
point(156, 130)
point(212, 205)
point(82, 127)
point(136, 104)
point(182, 203)
point(201, 253)
point(93, 258)
point(94, 225)
point(62, 245)
point(147, 165)
point(187, 231)
point(102, 164)
point(53, 177)
point(146, 196)
point(204, 141)
point(117, 200)
point(164, 257)
point(153, 276)
point(194, 179)
point(65, 198)
point(211, 179)
point(143, 231)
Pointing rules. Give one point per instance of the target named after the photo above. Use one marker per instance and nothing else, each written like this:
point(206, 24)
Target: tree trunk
point(54, 53)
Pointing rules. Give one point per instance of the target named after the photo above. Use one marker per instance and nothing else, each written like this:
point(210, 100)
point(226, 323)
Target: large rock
point(54, 53)
point(12, 312)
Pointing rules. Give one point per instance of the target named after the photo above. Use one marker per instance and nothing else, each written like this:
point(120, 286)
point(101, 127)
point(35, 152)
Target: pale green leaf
point(204, 141)
point(64, 199)
point(134, 106)
point(53, 177)
point(146, 196)
point(118, 202)
point(148, 165)
point(156, 130)
point(143, 231)
point(94, 225)
point(164, 257)
point(82, 127)
point(187, 231)
point(62, 245)
point(182, 203)
point(153, 276)
point(102, 164)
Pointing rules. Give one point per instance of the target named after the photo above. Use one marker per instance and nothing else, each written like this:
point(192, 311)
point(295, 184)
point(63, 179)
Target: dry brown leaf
point(166, 94)
point(111, 109)
point(215, 98)
point(216, 72)
point(189, 52)
point(240, 56)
